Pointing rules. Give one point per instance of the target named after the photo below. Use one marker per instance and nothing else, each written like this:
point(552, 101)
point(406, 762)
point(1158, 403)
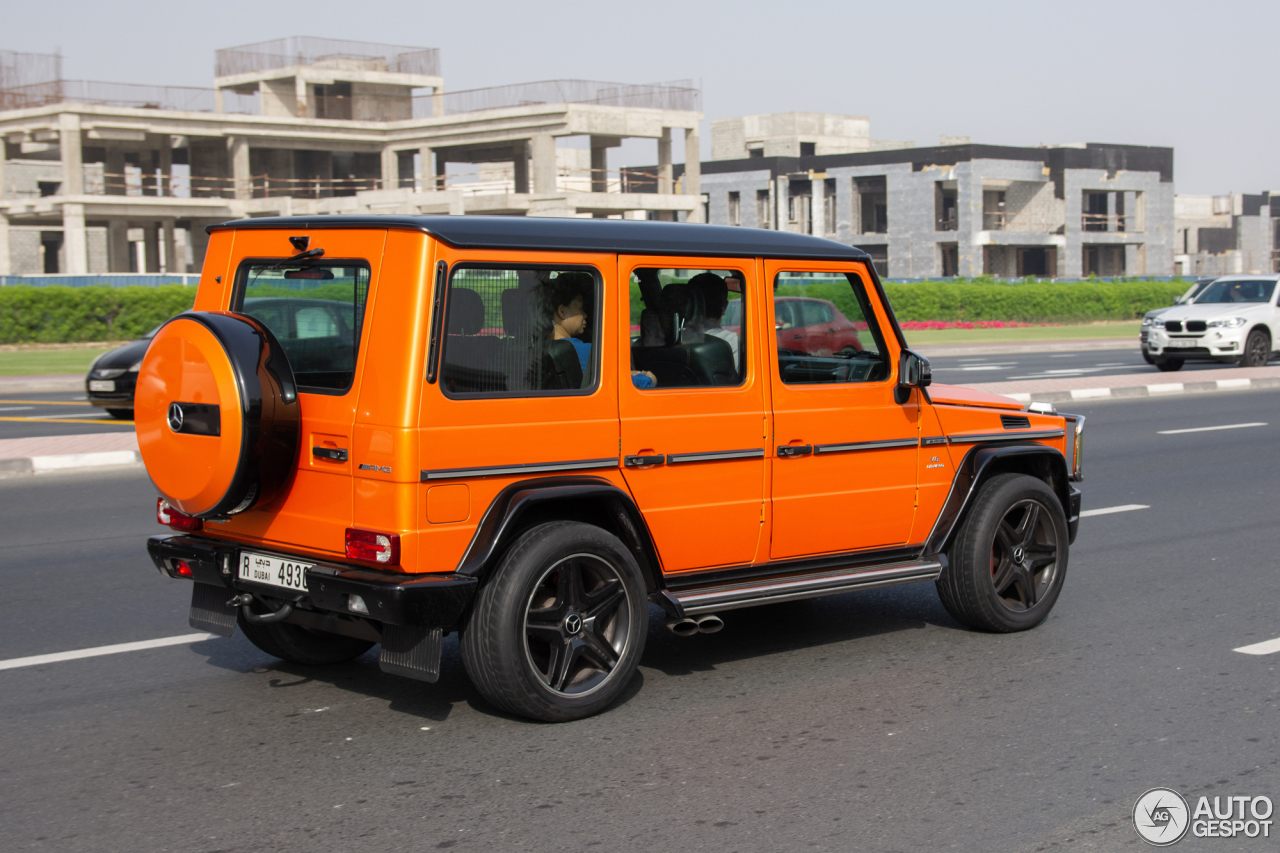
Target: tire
point(986, 585)
point(1146, 356)
point(121, 414)
point(1167, 365)
point(1257, 349)
point(302, 645)
point(559, 628)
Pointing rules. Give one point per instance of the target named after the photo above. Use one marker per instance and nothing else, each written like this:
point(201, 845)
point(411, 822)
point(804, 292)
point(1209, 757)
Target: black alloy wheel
point(559, 625)
point(1007, 563)
point(576, 624)
point(1257, 349)
point(1024, 555)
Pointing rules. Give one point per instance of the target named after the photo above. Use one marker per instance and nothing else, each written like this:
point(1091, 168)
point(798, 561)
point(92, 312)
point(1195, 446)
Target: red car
point(809, 326)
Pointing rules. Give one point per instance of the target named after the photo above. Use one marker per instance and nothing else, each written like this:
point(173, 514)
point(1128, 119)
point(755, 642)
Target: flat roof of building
point(623, 236)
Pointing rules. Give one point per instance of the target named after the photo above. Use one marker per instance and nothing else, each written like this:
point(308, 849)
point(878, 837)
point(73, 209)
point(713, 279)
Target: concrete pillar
point(426, 170)
point(301, 91)
point(781, 195)
point(390, 168)
point(238, 151)
point(817, 208)
point(664, 162)
point(542, 149)
point(170, 247)
point(217, 101)
point(4, 184)
point(151, 247)
point(72, 158)
point(74, 243)
point(6, 266)
point(437, 102)
point(520, 162)
point(166, 166)
point(1111, 212)
point(199, 243)
point(599, 167)
point(117, 245)
point(693, 172)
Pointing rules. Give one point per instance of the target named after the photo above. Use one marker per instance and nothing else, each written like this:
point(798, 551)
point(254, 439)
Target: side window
point(520, 332)
point(686, 328)
point(826, 330)
point(315, 309)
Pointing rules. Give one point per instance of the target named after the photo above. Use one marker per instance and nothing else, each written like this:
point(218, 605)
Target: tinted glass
point(686, 328)
point(826, 330)
point(316, 310)
point(520, 332)
point(1225, 291)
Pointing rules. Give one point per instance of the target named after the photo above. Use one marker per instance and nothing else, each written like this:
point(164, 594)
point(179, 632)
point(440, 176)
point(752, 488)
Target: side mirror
point(914, 371)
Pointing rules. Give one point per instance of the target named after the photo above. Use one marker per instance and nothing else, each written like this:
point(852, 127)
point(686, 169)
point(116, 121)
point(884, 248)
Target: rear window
point(315, 310)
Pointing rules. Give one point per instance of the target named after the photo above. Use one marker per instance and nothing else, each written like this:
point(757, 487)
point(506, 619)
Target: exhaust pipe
point(687, 626)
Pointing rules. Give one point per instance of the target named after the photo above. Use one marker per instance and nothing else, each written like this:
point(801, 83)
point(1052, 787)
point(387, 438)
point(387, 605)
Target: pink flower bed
point(920, 325)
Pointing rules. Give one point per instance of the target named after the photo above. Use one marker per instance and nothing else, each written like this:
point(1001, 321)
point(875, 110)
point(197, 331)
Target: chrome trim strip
point(933, 440)
point(792, 588)
point(714, 455)
point(1004, 436)
point(865, 445)
point(534, 468)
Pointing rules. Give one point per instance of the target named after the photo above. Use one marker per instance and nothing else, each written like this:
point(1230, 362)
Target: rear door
point(692, 407)
point(844, 460)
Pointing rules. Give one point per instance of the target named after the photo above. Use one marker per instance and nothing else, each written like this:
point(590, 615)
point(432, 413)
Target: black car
point(113, 374)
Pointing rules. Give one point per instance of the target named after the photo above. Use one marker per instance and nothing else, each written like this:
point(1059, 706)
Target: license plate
point(102, 385)
point(1181, 344)
point(273, 571)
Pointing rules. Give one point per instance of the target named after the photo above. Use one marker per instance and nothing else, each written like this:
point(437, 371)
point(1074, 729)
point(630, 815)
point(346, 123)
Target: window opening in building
point(808, 149)
point(950, 259)
point(879, 258)
point(1106, 261)
point(315, 310)
point(735, 208)
point(764, 219)
point(993, 210)
point(50, 246)
point(1095, 212)
point(48, 188)
point(756, 153)
point(826, 330)
point(687, 328)
point(521, 332)
point(947, 213)
point(1033, 262)
point(873, 202)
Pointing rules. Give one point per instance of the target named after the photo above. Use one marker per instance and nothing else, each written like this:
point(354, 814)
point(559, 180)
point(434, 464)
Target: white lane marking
point(1107, 510)
point(98, 651)
point(1210, 429)
point(16, 408)
point(1268, 647)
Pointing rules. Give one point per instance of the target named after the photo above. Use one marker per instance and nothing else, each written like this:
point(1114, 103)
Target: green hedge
point(1062, 302)
point(58, 315)
point(72, 314)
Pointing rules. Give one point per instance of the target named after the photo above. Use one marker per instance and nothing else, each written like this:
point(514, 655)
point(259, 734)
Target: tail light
point(170, 517)
point(183, 569)
point(369, 546)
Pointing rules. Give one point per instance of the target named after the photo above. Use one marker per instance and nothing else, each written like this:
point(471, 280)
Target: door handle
point(637, 461)
point(335, 454)
point(795, 449)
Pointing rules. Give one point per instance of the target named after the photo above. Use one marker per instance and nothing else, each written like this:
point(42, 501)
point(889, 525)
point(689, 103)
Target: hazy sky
point(1200, 77)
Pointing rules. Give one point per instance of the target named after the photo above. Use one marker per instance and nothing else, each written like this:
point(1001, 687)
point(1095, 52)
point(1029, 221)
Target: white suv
point(1234, 321)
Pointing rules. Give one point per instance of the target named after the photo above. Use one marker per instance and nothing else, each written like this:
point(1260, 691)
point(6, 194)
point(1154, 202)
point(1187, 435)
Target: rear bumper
point(392, 598)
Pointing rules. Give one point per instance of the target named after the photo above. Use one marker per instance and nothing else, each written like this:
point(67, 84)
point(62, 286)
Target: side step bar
point(793, 587)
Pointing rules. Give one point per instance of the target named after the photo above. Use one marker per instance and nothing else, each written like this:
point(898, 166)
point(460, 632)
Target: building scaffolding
point(309, 50)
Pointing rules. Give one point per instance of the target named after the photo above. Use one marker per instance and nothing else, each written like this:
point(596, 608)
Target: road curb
point(68, 463)
point(42, 382)
point(1153, 389)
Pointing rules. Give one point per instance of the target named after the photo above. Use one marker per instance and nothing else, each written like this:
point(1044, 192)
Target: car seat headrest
point(466, 312)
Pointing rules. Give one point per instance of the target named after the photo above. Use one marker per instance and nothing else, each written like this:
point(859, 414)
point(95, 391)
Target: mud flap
point(210, 611)
point(411, 651)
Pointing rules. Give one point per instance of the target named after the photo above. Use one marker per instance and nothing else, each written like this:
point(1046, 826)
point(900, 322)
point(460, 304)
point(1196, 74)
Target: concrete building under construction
point(109, 177)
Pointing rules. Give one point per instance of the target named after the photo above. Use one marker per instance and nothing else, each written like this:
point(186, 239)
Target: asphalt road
point(32, 413)
point(1028, 367)
point(867, 722)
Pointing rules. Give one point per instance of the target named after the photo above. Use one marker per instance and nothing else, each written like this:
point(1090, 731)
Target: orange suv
point(383, 429)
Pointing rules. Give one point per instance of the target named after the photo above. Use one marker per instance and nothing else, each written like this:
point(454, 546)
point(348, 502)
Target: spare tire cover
point(216, 413)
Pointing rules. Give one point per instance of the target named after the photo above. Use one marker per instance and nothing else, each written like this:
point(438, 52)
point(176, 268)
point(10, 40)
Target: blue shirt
point(584, 353)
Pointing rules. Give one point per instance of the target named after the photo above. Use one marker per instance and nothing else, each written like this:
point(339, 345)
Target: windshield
point(1241, 290)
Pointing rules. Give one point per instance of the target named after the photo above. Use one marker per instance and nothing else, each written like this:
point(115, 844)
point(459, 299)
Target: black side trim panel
point(1004, 436)
point(881, 444)
point(714, 456)
point(529, 468)
point(803, 565)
